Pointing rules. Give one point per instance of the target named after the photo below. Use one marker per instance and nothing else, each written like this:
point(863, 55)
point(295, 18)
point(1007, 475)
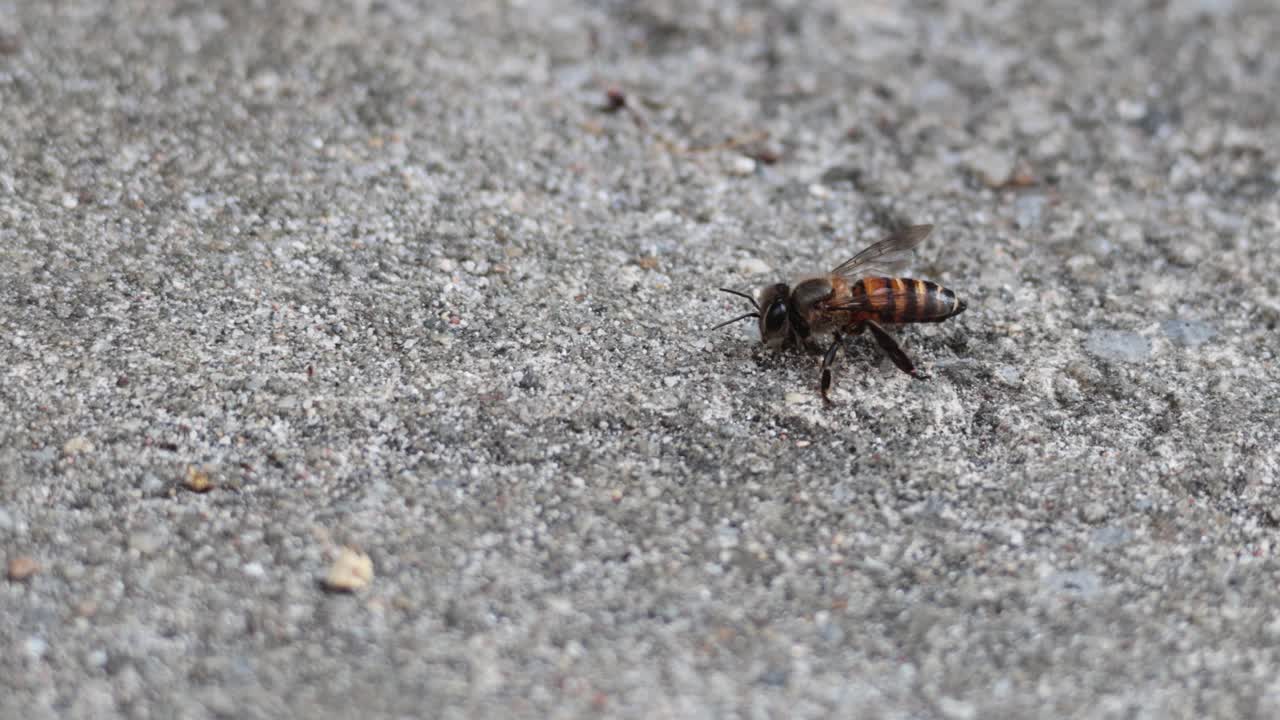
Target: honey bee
point(859, 294)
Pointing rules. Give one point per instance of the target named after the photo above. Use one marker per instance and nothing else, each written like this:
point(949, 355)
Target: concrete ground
point(280, 279)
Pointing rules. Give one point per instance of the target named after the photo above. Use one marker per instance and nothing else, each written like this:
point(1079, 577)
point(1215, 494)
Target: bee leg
point(894, 350)
point(837, 342)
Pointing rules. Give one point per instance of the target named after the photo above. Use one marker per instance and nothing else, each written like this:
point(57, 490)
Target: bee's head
point(774, 324)
point(770, 310)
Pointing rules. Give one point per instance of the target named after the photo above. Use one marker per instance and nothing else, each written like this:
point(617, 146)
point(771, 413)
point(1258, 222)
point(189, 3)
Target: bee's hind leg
point(895, 351)
point(829, 357)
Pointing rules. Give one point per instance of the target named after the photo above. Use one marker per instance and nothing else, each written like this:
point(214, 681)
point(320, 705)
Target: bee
point(859, 294)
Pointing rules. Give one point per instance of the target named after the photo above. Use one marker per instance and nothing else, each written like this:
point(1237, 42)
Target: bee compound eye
point(775, 317)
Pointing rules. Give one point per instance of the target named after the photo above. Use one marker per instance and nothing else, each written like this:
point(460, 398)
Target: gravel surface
point(354, 357)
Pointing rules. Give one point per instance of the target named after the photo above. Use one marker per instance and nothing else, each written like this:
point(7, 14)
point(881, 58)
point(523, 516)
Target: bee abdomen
point(933, 303)
point(906, 300)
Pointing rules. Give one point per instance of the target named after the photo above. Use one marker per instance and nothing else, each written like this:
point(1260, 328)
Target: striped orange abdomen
point(905, 300)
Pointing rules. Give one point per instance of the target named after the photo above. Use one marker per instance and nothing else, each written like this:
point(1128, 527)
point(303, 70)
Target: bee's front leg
point(829, 357)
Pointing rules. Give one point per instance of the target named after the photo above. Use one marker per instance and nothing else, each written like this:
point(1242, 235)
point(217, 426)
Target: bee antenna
point(742, 294)
point(740, 317)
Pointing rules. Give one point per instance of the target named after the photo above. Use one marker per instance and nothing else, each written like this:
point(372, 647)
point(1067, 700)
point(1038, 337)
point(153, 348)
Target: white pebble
point(36, 647)
point(741, 165)
point(753, 266)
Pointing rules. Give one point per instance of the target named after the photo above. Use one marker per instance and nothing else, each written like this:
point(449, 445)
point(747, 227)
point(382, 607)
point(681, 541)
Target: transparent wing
point(887, 257)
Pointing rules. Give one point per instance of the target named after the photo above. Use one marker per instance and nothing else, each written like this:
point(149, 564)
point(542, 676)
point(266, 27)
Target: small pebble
point(21, 568)
point(36, 647)
point(822, 192)
point(351, 571)
point(753, 266)
point(1131, 110)
point(741, 165)
point(197, 480)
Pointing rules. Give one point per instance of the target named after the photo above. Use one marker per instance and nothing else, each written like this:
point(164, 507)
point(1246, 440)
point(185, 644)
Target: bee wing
point(887, 257)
